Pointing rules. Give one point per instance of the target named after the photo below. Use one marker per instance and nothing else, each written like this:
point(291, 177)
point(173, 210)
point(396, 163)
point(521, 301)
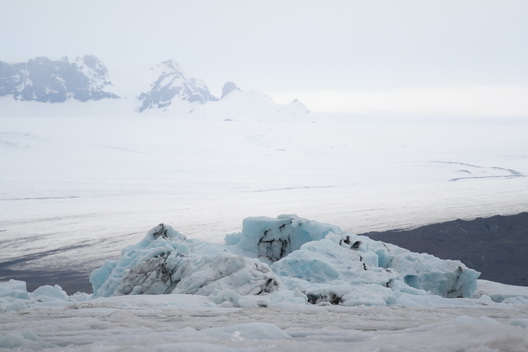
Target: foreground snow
point(48, 319)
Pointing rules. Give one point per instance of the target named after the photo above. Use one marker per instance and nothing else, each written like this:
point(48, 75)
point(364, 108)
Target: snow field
point(196, 323)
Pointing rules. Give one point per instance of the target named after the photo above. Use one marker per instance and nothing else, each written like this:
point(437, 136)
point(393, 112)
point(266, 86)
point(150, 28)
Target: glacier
point(289, 257)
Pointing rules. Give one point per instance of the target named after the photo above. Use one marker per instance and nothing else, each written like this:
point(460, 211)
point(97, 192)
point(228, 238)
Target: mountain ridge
point(163, 88)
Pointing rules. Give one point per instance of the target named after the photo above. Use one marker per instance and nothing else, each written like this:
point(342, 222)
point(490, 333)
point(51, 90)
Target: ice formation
point(317, 261)
point(14, 296)
point(166, 262)
point(46, 320)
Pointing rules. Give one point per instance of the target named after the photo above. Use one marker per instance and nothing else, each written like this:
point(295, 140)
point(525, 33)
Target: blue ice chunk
point(273, 239)
point(232, 238)
point(166, 262)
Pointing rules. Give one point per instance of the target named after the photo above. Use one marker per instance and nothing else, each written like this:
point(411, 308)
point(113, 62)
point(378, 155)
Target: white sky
point(419, 56)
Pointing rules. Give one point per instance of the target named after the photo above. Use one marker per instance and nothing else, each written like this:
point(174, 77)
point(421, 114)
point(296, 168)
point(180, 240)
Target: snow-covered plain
point(75, 191)
point(47, 320)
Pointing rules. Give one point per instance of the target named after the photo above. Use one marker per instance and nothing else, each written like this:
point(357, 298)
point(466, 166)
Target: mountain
point(44, 80)
point(228, 88)
point(86, 87)
point(173, 83)
point(238, 104)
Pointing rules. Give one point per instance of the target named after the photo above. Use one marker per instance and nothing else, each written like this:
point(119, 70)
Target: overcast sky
point(419, 56)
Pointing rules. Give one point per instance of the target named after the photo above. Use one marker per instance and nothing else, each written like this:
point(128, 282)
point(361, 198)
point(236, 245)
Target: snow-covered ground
point(75, 191)
point(47, 320)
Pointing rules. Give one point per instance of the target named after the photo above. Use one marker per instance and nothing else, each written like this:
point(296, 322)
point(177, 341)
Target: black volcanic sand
point(70, 281)
point(495, 246)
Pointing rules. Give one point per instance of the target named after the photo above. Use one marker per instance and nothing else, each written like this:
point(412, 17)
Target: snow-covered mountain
point(54, 81)
point(86, 87)
point(238, 104)
point(173, 83)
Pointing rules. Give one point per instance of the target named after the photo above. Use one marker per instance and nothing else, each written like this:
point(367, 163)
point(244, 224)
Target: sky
point(466, 57)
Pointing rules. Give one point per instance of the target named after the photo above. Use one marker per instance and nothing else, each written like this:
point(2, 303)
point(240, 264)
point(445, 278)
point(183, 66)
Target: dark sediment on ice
point(70, 278)
point(70, 281)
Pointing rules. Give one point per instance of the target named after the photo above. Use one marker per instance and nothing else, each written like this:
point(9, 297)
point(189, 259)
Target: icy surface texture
point(14, 296)
point(327, 263)
point(502, 292)
point(13, 289)
point(237, 333)
point(166, 262)
point(317, 263)
point(23, 340)
point(272, 239)
point(49, 293)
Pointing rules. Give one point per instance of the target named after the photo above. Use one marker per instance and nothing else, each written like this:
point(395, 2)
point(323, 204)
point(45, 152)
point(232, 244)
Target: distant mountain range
point(164, 87)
